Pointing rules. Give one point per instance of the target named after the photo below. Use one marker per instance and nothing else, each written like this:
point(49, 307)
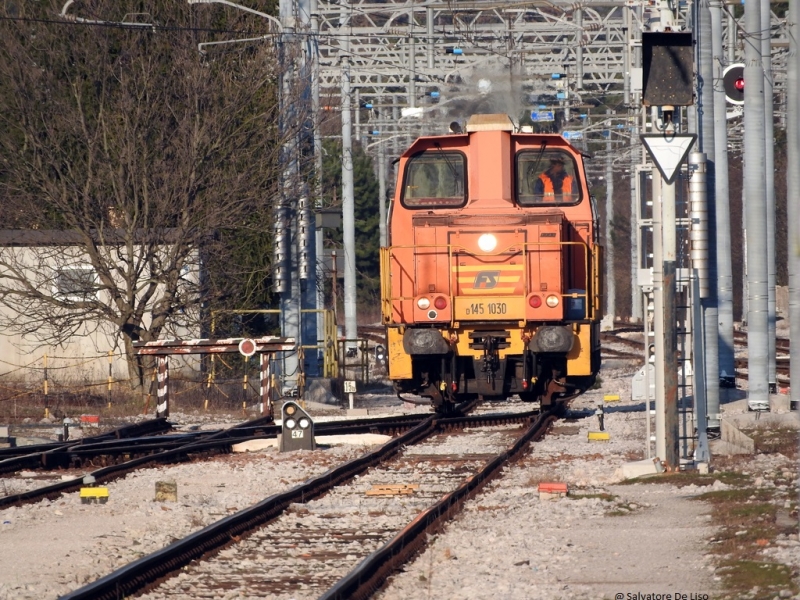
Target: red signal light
point(535, 301)
point(733, 83)
point(440, 302)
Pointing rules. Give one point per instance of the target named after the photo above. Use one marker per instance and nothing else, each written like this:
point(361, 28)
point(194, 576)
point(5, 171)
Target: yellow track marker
point(97, 494)
point(611, 398)
point(599, 436)
point(393, 489)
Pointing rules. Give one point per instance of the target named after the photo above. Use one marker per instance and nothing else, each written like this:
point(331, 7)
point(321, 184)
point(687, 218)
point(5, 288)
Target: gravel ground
point(604, 541)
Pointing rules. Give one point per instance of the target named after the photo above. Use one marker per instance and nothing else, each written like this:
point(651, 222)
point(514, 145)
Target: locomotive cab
point(490, 285)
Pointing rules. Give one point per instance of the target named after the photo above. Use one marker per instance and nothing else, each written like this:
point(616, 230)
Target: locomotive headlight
point(423, 303)
point(290, 423)
point(552, 301)
point(487, 242)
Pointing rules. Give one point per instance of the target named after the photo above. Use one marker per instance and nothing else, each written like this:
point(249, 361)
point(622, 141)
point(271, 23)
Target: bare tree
point(146, 157)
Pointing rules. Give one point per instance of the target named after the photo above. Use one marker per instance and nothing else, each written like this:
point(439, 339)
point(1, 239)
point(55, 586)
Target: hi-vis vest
point(549, 192)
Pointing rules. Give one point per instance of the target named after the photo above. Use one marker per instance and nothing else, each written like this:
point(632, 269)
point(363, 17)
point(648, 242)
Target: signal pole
point(707, 145)
point(793, 194)
point(348, 200)
point(722, 212)
point(755, 202)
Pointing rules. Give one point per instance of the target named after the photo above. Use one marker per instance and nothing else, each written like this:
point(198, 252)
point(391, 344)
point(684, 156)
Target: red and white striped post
point(162, 402)
point(266, 399)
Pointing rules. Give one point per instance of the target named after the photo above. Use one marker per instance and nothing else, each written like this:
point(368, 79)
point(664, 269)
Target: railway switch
point(297, 432)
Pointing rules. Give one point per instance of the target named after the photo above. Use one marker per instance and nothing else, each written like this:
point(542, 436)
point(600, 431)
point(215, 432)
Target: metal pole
point(658, 312)
point(637, 313)
point(626, 56)
point(769, 173)
point(702, 453)
point(793, 194)
point(647, 358)
point(707, 145)
point(733, 36)
point(431, 39)
point(287, 280)
point(579, 49)
point(611, 292)
point(722, 209)
point(702, 284)
point(669, 331)
point(357, 116)
point(348, 200)
point(755, 210)
point(317, 192)
point(382, 194)
point(412, 61)
point(664, 290)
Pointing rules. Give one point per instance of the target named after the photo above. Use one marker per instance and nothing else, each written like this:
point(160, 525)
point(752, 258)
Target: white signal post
point(668, 151)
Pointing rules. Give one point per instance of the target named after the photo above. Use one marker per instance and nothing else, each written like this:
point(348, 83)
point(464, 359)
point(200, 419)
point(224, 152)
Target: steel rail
point(148, 570)
point(67, 455)
point(219, 442)
point(370, 574)
point(150, 427)
point(112, 472)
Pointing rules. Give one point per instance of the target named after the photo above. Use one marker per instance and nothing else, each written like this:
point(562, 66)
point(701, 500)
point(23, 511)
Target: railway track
point(304, 541)
point(740, 339)
point(118, 459)
point(151, 427)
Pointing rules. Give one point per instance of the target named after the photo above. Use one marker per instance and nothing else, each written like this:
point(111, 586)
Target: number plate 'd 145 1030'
point(489, 309)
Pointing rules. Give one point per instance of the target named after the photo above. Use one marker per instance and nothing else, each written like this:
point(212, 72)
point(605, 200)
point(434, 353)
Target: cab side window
point(546, 178)
point(435, 179)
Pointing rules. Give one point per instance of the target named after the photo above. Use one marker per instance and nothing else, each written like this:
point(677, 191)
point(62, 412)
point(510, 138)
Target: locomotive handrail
point(386, 284)
point(591, 256)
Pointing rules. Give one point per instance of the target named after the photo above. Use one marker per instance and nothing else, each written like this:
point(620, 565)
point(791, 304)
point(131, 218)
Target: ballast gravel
point(603, 541)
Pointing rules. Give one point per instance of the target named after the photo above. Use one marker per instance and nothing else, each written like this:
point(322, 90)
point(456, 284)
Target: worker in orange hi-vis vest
point(554, 184)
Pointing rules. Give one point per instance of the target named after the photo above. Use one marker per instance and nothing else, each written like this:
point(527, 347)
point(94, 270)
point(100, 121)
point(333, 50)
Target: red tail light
point(535, 301)
point(440, 302)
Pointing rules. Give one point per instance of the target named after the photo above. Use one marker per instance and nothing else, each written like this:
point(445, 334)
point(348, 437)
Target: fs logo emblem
point(486, 280)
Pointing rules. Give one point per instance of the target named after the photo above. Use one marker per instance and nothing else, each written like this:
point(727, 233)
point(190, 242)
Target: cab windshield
point(546, 177)
point(435, 178)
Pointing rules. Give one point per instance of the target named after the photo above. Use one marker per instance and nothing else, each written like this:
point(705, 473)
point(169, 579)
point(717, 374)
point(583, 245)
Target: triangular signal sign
point(668, 151)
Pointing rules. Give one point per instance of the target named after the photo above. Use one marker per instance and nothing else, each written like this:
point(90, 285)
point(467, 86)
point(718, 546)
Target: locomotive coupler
point(491, 359)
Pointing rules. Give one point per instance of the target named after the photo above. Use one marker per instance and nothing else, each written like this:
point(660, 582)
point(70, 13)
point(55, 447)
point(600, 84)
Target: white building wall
point(84, 358)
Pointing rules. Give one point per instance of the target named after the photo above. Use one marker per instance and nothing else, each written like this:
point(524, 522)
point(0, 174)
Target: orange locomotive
point(491, 284)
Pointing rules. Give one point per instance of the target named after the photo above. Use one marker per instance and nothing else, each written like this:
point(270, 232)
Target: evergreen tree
point(365, 187)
